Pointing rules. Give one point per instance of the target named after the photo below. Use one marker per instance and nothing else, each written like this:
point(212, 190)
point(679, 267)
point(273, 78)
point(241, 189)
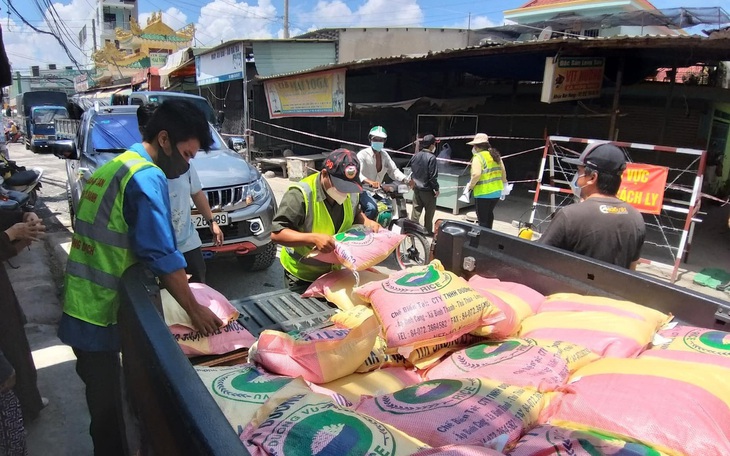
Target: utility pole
point(93, 32)
point(286, 19)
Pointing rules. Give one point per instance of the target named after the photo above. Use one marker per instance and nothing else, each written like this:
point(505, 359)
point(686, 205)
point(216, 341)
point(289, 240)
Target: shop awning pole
point(616, 100)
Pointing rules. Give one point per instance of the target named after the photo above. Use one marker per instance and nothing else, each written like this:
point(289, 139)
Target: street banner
point(572, 78)
point(313, 95)
point(220, 65)
point(642, 186)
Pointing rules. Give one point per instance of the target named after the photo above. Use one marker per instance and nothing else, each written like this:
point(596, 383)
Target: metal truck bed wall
point(178, 415)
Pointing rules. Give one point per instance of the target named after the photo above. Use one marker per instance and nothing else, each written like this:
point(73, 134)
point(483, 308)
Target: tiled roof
point(532, 3)
point(155, 37)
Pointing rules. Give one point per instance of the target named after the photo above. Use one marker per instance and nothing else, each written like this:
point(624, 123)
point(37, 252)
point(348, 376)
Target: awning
point(447, 104)
point(175, 61)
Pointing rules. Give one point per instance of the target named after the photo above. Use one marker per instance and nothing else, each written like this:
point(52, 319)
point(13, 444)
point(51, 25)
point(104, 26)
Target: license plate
point(221, 218)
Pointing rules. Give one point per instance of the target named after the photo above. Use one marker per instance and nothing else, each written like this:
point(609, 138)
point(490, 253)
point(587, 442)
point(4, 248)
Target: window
point(110, 19)
point(592, 33)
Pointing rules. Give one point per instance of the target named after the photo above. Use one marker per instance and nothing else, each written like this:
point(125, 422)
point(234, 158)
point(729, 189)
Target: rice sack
point(382, 381)
point(458, 411)
point(205, 296)
point(239, 391)
point(675, 407)
point(608, 327)
point(360, 248)
point(425, 305)
point(231, 337)
point(336, 287)
point(555, 441)
point(312, 424)
point(318, 355)
point(687, 343)
point(515, 300)
point(518, 362)
point(459, 450)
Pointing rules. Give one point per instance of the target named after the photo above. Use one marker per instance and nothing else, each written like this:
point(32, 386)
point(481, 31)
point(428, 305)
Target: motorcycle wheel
point(412, 251)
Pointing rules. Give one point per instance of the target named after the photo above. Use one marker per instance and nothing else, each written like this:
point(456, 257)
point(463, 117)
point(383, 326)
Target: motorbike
point(17, 180)
point(393, 215)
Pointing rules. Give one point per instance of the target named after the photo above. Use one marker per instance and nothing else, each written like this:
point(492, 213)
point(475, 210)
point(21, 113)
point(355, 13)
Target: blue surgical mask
point(575, 187)
point(377, 145)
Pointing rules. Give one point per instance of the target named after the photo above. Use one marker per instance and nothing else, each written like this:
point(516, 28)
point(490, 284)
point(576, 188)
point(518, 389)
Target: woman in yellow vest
point(488, 178)
point(312, 211)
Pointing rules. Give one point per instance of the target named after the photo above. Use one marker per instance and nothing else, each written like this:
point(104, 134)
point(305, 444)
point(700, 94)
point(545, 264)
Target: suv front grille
point(233, 231)
point(226, 198)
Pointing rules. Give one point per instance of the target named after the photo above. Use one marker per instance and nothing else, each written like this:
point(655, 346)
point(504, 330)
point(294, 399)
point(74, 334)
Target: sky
point(218, 21)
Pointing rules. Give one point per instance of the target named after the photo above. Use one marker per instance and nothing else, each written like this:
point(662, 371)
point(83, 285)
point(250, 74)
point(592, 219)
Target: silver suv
point(240, 197)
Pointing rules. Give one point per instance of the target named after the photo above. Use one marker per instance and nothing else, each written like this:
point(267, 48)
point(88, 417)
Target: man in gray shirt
point(601, 226)
point(425, 182)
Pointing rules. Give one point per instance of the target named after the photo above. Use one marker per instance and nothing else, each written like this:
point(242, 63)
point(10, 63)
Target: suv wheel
point(262, 259)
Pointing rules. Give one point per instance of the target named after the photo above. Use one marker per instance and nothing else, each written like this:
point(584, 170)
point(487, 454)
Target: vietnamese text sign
point(158, 59)
point(223, 64)
point(642, 186)
point(572, 78)
point(314, 95)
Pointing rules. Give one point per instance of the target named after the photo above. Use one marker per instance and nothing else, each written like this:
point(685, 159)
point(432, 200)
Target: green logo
point(351, 236)
point(425, 279)
point(329, 433)
point(710, 342)
point(248, 385)
point(492, 350)
point(429, 395)
point(419, 279)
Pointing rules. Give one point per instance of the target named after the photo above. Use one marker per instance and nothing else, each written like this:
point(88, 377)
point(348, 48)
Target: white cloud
point(223, 20)
point(372, 13)
point(172, 16)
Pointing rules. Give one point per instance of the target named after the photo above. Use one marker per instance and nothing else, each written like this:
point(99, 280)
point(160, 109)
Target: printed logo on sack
point(594, 444)
point(315, 430)
point(248, 385)
point(712, 342)
point(424, 280)
point(354, 237)
point(430, 395)
point(492, 353)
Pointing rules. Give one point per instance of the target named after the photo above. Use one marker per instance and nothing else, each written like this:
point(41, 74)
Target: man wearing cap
point(601, 226)
point(488, 178)
point(374, 164)
point(312, 211)
point(425, 180)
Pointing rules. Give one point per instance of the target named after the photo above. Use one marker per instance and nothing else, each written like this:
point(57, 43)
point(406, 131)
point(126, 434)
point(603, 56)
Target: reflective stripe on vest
point(100, 250)
point(316, 220)
point(490, 180)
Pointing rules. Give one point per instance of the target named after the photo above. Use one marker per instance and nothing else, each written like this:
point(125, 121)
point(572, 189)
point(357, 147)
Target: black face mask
point(173, 165)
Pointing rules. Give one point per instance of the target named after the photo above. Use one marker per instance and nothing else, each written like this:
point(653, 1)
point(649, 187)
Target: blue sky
point(221, 20)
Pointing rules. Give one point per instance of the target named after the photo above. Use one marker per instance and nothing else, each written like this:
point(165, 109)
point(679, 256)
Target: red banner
point(642, 186)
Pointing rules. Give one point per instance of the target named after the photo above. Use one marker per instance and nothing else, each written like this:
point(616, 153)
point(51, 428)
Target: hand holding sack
point(359, 248)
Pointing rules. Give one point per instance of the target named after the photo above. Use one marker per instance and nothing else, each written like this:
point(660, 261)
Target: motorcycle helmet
point(378, 132)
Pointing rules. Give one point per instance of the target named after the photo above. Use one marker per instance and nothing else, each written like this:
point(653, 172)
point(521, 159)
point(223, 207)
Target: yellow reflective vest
point(316, 220)
point(100, 250)
point(491, 178)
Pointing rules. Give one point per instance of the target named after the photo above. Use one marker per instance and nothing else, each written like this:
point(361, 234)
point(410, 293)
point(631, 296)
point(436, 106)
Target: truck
point(36, 116)
point(242, 202)
point(176, 414)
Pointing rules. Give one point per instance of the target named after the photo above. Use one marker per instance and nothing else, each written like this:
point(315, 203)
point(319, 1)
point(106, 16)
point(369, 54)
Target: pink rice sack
point(313, 424)
point(459, 450)
point(205, 296)
point(555, 441)
point(382, 381)
point(606, 326)
point(336, 287)
point(426, 306)
point(675, 407)
point(698, 345)
point(518, 362)
point(515, 300)
point(231, 337)
point(360, 248)
point(458, 411)
point(319, 355)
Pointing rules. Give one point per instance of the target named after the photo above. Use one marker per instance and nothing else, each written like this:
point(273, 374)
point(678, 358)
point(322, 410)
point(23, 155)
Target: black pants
point(100, 373)
point(196, 265)
point(293, 283)
point(485, 211)
point(424, 200)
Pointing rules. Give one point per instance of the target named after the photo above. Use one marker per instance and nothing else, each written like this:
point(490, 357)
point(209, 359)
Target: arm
point(287, 226)
point(20, 235)
point(362, 219)
point(392, 170)
point(201, 203)
point(433, 175)
point(504, 172)
point(152, 239)
point(476, 171)
point(362, 156)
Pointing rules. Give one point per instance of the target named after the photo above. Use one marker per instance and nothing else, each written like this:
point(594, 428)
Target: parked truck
point(176, 414)
point(36, 117)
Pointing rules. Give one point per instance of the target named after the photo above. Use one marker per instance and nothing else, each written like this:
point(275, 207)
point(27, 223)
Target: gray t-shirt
point(604, 228)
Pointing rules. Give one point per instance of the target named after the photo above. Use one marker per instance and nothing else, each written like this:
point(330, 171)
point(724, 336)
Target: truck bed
point(174, 406)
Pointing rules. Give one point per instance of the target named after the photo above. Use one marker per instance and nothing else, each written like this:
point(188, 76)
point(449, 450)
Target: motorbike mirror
point(64, 148)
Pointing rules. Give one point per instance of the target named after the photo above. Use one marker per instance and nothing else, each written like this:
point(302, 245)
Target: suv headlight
point(255, 191)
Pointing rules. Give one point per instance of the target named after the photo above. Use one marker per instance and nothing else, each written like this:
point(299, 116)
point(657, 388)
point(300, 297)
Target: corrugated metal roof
point(276, 57)
point(700, 47)
point(250, 42)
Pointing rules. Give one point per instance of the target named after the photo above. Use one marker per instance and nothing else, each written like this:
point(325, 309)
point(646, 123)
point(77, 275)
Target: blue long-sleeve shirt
point(152, 238)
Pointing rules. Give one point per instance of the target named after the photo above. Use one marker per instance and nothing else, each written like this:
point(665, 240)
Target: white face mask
point(377, 145)
point(575, 187)
point(336, 195)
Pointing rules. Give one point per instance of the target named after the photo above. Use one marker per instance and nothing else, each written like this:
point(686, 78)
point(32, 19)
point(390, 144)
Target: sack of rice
point(231, 337)
point(549, 440)
point(360, 248)
point(459, 450)
point(239, 391)
point(206, 296)
point(675, 407)
point(515, 300)
point(426, 305)
point(336, 287)
point(382, 381)
point(319, 355)
point(312, 424)
point(458, 411)
point(687, 343)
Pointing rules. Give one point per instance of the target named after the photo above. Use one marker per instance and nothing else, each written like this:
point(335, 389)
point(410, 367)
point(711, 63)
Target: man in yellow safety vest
point(124, 218)
point(312, 211)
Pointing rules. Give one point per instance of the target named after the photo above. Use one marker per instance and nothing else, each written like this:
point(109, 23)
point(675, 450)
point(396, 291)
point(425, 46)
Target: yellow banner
point(572, 78)
point(314, 95)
